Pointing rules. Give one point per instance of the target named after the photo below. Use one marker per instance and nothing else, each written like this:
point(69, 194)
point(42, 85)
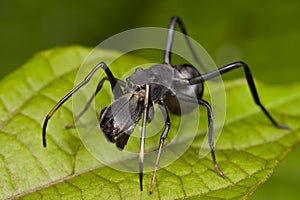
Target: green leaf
point(248, 149)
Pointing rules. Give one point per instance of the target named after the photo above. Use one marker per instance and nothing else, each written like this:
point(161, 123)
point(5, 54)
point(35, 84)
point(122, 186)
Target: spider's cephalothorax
point(167, 82)
point(175, 88)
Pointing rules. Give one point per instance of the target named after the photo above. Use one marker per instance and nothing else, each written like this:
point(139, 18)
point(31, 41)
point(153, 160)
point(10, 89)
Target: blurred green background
point(265, 34)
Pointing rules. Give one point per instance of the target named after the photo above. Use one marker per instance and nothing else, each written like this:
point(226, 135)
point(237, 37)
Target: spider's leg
point(250, 81)
point(167, 53)
point(99, 87)
point(115, 87)
point(163, 136)
point(210, 117)
point(143, 135)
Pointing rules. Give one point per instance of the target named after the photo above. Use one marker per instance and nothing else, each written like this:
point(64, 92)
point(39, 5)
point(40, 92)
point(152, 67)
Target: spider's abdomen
point(184, 72)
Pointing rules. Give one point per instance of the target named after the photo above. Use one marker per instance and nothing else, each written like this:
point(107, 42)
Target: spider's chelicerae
point(163, 84)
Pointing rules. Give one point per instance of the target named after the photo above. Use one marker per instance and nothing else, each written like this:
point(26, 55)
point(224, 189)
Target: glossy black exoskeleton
point(175, 88)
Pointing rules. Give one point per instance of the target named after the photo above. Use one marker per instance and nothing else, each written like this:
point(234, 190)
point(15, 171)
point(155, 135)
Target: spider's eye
point(130, 84)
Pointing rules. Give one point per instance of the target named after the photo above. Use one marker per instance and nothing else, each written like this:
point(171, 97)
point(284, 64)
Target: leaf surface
point(248, 149)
